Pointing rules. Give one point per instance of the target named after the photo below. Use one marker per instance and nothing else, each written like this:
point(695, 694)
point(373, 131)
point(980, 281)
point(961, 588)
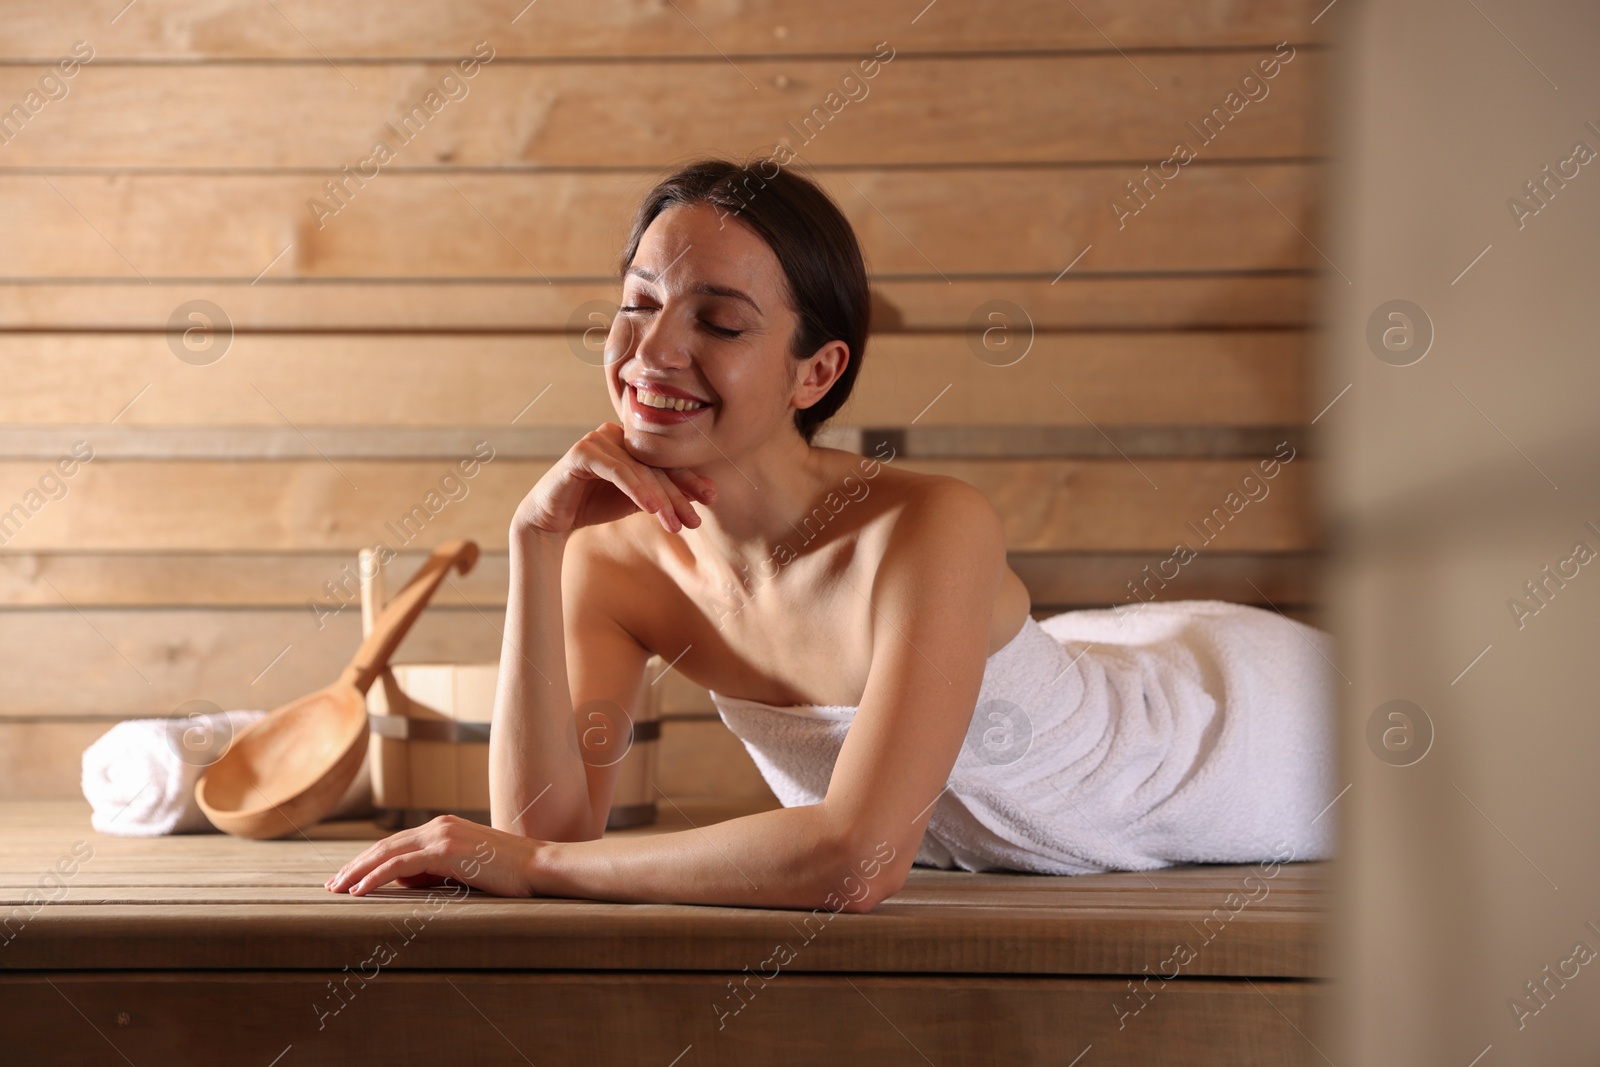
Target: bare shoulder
point(940, 512)
point(933, 519)
point(616, 542)
point(600, 563)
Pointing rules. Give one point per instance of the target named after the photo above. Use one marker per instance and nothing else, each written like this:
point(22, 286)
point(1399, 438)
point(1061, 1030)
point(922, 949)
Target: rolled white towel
point(139, 776)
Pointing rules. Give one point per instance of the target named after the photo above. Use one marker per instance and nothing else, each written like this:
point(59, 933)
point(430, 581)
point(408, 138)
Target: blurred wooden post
point(1463, 463)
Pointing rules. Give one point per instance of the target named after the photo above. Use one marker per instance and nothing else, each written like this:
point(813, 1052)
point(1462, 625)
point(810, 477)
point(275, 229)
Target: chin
point(658, 449)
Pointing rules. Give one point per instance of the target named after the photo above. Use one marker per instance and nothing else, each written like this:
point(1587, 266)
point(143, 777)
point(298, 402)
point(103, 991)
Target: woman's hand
point(447, 848)
point(600, 481)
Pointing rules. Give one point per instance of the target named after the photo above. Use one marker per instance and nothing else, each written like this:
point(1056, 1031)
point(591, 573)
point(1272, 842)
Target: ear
point(819, 371)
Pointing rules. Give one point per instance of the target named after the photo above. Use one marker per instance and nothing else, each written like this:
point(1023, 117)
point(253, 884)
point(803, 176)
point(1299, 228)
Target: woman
point(892, 685)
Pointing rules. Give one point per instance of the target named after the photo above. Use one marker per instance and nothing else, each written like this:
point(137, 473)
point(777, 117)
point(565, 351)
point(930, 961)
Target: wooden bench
point(205, 949)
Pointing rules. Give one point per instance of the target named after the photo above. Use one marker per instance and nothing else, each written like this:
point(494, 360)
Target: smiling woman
point(888, 679)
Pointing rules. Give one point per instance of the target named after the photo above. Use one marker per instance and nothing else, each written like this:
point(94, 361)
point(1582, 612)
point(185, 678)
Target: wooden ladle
point(288, 769)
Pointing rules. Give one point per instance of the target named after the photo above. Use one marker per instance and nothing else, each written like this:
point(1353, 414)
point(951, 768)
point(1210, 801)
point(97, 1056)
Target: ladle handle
point(398, 615)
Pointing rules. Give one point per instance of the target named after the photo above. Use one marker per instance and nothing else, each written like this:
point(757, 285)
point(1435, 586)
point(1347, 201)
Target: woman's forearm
point(783, 858)
point(537, 783)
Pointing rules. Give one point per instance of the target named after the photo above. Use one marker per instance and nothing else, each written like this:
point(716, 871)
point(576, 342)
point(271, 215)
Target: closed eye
point(720, 331)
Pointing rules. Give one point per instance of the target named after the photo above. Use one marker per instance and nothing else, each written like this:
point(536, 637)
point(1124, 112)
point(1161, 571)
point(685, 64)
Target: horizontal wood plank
point(445, 443)
point(1211, 217)
point(863, 1020)
point(1046, 505)
point(1079, 301)
point(44, 760)
point(111, 664)
point(315, 33)
point(289, 579)
point(1199, 378)
point(135, 663)
point(918, 109)
point(207, 624)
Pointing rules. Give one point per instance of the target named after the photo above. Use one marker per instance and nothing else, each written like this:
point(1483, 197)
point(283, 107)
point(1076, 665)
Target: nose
point(658, 341)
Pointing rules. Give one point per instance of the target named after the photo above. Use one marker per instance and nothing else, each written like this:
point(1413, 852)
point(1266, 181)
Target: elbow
point(871, 896)
point(864, 872)
point(581, 826)
point(866, 905)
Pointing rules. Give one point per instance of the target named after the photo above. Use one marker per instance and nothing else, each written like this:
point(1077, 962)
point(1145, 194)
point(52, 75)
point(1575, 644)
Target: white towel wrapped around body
point(139, 776)
point(1193, 731)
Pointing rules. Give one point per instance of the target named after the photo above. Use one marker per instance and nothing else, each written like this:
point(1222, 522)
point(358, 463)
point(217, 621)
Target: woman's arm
point(544, 783)
point(784, 858)
point(537, 783)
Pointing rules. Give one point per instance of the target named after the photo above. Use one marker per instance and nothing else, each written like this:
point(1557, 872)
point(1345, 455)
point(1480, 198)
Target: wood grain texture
point(141, 663)
point(793, 1020)
point(308, 31)
point(702, 757)
point(941, 922)
point(212, 626)
point(924, 440)
point(1045, 505)
point(1191, 378)
point(289, 579)
point(152, 661)
point(118, 664)
point(562, 226)
point(44, 760)
point(468, 306)
point(988, 110)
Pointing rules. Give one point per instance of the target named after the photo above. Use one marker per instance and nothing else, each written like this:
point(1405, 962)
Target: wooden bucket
point(428, 753)
point(429, 750)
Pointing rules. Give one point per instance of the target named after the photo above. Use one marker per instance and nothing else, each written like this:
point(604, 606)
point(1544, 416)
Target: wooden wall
point(365, 351)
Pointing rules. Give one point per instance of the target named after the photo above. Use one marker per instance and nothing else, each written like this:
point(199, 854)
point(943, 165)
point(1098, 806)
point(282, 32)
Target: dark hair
point(813, 242)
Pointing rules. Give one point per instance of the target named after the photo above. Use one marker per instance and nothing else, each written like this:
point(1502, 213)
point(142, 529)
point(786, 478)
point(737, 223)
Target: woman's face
point(705, 316)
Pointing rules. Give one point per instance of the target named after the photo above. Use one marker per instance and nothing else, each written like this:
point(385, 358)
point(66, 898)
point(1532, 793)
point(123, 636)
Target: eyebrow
point(704, 287)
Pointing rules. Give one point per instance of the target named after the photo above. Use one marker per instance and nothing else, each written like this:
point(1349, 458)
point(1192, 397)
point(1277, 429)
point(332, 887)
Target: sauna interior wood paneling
point(207, 551)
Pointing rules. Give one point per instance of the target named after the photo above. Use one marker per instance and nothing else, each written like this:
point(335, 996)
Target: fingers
point(421, 881)
point(627, 474)
point(446, 850)
point(405, 866)
point(700, 487)
point(405, 840)
point(400, 843)
point(664, 492)
point(667, 493)
point(679, 512)
point(405, 857)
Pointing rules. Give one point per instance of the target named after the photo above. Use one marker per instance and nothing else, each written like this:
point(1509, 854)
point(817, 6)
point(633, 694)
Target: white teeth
point(658, 400)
